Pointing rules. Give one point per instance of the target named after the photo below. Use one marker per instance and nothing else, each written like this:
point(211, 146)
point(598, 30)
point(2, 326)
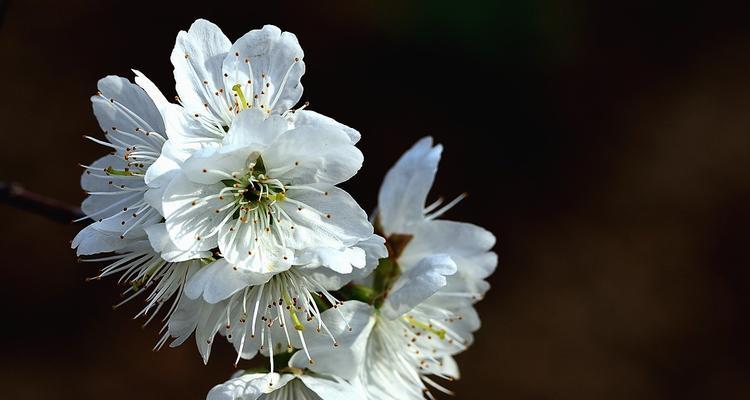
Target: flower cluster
point(222, 211)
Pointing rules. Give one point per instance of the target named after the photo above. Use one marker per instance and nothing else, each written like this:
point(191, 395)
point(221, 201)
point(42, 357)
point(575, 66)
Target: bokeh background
point(606, 144)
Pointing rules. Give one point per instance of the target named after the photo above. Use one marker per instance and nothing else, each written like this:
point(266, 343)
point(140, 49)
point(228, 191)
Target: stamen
point(280, 88)
point(446, 207)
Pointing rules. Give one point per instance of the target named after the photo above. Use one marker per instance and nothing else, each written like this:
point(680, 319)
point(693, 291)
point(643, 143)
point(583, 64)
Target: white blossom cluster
point(222, 211)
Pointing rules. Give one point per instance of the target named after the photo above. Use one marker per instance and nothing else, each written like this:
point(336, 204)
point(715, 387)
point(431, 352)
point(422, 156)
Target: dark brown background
point(607, 146)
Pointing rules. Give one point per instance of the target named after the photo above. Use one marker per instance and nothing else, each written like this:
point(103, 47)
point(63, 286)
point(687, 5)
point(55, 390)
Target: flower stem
point(15, 195)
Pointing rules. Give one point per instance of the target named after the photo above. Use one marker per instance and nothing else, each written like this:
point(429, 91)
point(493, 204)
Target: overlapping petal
point(404, 191)
point(418, 284)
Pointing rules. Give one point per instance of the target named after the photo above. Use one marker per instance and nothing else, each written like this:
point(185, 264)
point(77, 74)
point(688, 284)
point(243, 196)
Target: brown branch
point(15, 195)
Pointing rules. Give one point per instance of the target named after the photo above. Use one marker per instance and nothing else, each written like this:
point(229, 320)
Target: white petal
point(461, 328)
point(211, 319)
point(327, 278)
point(332, 388)
point(98, 206)
point(249, 386)
point(265, 255)
point(252, 129)
point(325, 217)
point(125, 106)
point(272, 61)
point(234, 389)
point(417, 284)
point(219, 280)
point(375, 249)
point(332, 268)
point(465, 243)
point(317, 120)
point(97, 180)
point(197, 58)
point(165, 167)
point(130, 221)
point(162, 243)
point(404, 191)
point(184, 319)
point(346, 359)
point(212, 164)
point(196, 316)
point(91, 241)
point(448, 367)
point(153, 92)
point(153, 197)
point(308, 155)
point(192, 221)
point(116, 200)
point(468, 246)
point(186, 132)
point(342, 261)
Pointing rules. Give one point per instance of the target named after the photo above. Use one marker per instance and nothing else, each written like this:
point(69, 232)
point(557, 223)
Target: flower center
point(290, 302)
point(254, 189)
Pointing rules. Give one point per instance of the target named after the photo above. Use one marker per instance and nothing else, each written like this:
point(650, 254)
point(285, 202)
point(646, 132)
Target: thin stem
point(15, 195)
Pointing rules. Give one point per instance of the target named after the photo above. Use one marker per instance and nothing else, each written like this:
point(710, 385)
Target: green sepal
point(386, 274)
point(361, 293)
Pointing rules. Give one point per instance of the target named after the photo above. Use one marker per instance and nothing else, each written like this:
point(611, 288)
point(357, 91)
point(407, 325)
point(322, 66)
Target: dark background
point(606, 144)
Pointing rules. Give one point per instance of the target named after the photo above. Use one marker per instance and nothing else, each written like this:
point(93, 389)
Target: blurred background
point(606, 144)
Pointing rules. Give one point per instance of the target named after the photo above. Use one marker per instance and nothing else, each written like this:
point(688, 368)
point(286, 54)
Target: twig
point(15, 195)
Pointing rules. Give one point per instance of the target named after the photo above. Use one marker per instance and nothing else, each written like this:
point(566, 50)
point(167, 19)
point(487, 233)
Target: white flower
point(115, 183)
point(392, 356)
point(402, 212)
point(124, 219)
point(266, 192)
point(216, 80)
point(313, 157)
point(265, 313)
point(252, 150)
point(332, 376)
point(437, 270)
point(285, 386)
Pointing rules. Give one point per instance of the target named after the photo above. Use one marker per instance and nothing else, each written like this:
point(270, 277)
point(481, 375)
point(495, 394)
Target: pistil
point(243, 101)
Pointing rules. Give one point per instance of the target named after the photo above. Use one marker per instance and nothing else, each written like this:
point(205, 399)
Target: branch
point(15, 195)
